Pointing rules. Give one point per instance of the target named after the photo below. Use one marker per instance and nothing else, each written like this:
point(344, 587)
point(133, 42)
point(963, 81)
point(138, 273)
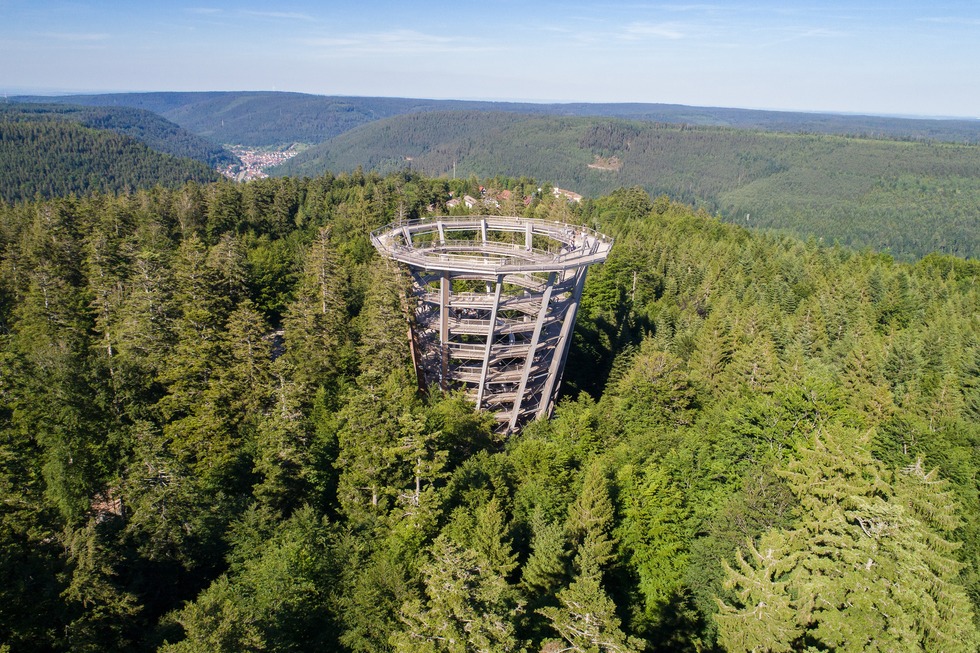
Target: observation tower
point(495, 304)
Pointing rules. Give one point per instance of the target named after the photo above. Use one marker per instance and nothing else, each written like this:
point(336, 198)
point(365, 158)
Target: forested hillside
point(55, 158)
point(253, 118)
point(211, 439)
point(262, 119)
point(907, 198)
point(903, 186)
point(144, 126)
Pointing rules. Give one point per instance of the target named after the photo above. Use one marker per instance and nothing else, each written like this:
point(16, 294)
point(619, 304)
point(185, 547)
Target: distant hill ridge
point(901, 185)
point(264, 118)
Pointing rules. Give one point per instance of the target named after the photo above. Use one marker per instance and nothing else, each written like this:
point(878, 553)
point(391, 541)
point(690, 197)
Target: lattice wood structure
point(496, 299)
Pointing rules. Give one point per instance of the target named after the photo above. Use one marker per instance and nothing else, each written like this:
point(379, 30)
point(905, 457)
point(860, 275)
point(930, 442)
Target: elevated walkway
point(505, 342)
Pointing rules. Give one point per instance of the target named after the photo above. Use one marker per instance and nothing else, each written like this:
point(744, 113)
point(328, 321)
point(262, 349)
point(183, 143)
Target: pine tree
point(586, 618)
point(862, 570)
point(375, 589)
point(468, 605)
point(52, 399)
point(544, 570)
point(714, 348)
point(421, 459)
point(316, 322)
point(274, 598)
point(200, 371)
point(170, 517)
point(219, 621)
point(490, 539)
point(383, 349)
point(283, 445)
point(656, 392)
point(143, 330)
point(651, 534)
point(590, 521)
point(105, 614)
point(370, 441)
point(767, 619)
point(754, 366)
point(105, 267)
point(943, 620)
point(242, 384)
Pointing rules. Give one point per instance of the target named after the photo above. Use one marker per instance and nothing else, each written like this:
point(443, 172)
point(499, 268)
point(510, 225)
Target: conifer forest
point(212, 437)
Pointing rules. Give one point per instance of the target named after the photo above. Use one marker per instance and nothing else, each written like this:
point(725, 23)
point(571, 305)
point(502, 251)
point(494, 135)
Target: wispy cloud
point(204, 11)
point(820, 32)
point(791, 34)
point(78, 37)
point(691, 7)
point(281, 15)
point(401, 42)
point(950, 20)
point(644, 31)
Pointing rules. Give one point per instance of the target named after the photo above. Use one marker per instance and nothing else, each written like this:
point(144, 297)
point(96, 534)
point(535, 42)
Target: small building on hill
point(567, 194)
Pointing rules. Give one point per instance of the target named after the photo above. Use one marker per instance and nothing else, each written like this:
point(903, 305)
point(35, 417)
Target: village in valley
point(255, 161)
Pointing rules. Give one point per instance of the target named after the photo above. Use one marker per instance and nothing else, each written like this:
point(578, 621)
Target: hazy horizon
point(21, 92)
point(868, 57)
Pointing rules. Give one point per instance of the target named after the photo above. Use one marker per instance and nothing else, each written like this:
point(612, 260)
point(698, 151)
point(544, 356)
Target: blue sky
point(904, 58)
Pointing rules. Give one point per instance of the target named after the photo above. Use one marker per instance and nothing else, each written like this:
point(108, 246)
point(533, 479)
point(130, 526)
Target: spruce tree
point(467, 605)
point(586, 618)
point(862, 570)
point(651, 534)
point(316, 322)
point(545, 570)
point(590, 521)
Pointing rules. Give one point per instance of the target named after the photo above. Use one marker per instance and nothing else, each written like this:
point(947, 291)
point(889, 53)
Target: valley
point(903, 186)
point(256, 162)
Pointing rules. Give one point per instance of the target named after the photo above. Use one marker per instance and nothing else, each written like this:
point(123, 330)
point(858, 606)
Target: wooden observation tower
point(496, 299)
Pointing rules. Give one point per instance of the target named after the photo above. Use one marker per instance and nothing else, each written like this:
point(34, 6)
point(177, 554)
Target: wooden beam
point(491, 334)
point(532, 350)
point(561, 347)
point(445, 284)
